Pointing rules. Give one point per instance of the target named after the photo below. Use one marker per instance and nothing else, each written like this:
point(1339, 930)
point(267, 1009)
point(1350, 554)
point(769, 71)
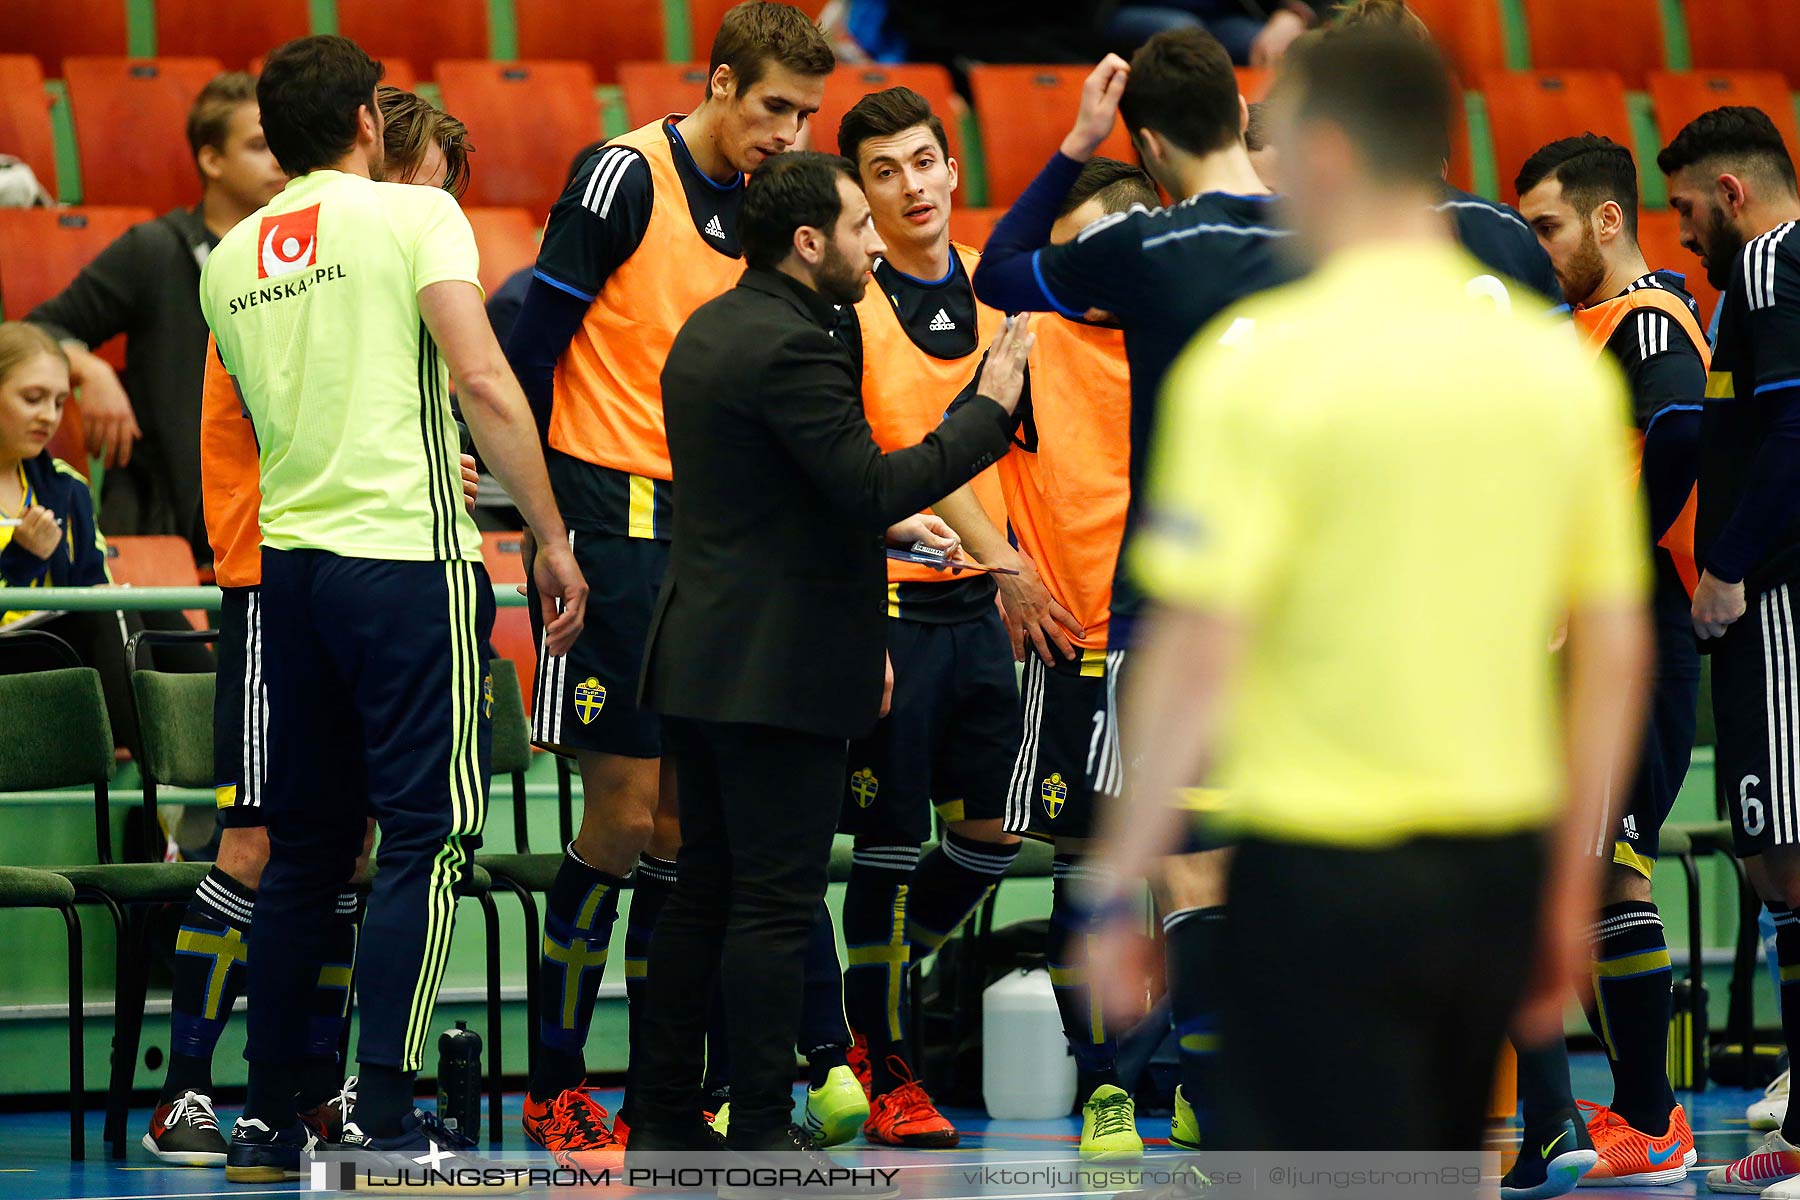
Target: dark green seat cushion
point(175, 718)
point(21, 887)
point(533, 872)
point(140, 882)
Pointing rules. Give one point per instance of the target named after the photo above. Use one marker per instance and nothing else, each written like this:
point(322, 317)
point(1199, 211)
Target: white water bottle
point(1027, 1073)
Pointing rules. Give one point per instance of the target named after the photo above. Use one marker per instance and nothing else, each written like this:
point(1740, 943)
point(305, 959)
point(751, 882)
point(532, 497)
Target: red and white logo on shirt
point(289, 241)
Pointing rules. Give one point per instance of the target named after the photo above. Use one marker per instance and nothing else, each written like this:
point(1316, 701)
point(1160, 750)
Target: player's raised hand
point(1003, 374)
point(1099, 107)
point(559, 580)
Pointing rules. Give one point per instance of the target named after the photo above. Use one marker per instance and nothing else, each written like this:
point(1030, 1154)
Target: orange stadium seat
point(512, 626)
point(397, 71)
point(232, 33)
point(131, 128)
point(1254, 83)
point(456, 29)
point(1623, 36)
point(848, 84)
point(1023, 113)
point(42, 249)
point(152, 561)
point(1681, 96)
point(1529, 108)
point(54, 29)
point(1469, 32)
point(1659, 236)
point(971, 226)
point(1744, 33)
point(25, 117)
point(656, 89)
point(601, 35)
point(507, 239)
point(526, 119)
point(704, 17)
point(155, 561)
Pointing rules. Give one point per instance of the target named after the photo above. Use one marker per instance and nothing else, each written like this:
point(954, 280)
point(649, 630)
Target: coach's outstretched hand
point(1099, 108)
point(560, 585)
point(1003, 374)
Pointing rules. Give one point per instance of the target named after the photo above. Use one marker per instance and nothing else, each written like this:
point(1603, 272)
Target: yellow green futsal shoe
point(1184, 1128)
point(1109, 1126)
point(837, 1110)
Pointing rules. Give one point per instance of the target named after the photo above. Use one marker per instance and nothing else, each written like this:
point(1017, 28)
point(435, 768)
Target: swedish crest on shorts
point(1055, 794)
point(590, 698)
point(865, 787)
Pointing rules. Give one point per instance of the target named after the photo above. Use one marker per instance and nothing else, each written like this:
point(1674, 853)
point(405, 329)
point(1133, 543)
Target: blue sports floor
point(34, 1147)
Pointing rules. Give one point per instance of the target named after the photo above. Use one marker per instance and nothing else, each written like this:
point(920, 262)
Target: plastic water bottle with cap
point(1027, 1073)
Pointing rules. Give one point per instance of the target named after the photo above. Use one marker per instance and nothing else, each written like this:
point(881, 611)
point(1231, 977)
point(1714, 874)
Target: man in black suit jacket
point(767, 649)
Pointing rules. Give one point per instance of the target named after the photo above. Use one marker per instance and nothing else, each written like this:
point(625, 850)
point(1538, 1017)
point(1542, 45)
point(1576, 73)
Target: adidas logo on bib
point(714, 229)
point(942, 323)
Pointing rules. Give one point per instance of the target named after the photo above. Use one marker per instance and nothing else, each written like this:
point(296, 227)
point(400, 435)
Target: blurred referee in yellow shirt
point(1373, 498)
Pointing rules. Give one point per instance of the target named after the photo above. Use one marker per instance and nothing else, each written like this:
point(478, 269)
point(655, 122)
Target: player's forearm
point(1608, 667)
point(507, 438)
point(1169, 723)
point(1006, 278)
point(962, 511)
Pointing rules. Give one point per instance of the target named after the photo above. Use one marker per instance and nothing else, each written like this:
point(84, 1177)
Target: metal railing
point(152, 599)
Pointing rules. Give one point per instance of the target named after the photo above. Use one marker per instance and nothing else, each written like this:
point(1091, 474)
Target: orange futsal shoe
point(1632, 1158)
point(858, 1058)
point(907, 1117)
point(573, 1129)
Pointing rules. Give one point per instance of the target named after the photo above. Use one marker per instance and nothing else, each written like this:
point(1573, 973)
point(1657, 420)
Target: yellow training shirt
point(1400, 488)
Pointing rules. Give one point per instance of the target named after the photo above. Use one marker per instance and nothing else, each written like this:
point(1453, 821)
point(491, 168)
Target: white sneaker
point(1775, 1160)
point(1789, 1190)
point(1771, 1110)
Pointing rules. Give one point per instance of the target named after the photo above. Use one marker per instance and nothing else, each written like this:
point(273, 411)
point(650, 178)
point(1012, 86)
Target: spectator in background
point(146, 426)
point(1257, 33)
point(47, 533)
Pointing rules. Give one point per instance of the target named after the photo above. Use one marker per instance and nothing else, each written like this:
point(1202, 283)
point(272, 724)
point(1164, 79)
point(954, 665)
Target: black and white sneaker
point(259, 1154)
point(426, 1159)
point(184, 1132)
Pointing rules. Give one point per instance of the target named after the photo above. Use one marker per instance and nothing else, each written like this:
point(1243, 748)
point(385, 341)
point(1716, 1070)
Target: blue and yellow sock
point(1633, 995)
point(211, 949)
point(1094, 1048)
point(1194, 938)
point(875, 926)
point(950, 885)
point(578, 920)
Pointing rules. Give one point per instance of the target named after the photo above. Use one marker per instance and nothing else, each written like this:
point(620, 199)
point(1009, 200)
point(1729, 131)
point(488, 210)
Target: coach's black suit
point(765, 656)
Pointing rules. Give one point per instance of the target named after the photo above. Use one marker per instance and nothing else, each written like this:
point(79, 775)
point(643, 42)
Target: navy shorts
point(1756, 708)
point(949, 740)
point(587, 699)
point(1050, 796)
point(1668, 745)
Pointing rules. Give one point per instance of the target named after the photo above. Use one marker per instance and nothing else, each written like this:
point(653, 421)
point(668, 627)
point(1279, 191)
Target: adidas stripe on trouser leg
point(377, 662)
